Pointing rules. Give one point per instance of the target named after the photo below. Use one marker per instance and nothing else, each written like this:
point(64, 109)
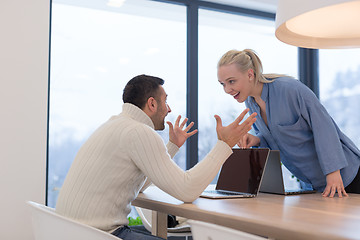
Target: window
point(339, 71)
point(218, 33)
point(95, 50)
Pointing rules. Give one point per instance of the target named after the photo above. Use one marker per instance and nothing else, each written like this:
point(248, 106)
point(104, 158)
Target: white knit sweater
point(113, 164)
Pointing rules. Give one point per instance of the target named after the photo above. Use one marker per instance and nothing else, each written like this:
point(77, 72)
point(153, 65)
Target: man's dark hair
point(140, 88)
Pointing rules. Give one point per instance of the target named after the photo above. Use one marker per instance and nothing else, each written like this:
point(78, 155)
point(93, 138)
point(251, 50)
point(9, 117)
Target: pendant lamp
point(319, 24)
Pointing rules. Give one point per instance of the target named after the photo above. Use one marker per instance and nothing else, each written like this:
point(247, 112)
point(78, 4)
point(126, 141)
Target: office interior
point(24, 95)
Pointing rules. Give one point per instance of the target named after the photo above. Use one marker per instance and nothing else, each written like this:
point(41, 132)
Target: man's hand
point(334, 184)
point(177, 134)
point(232, 133)
point(248, 140)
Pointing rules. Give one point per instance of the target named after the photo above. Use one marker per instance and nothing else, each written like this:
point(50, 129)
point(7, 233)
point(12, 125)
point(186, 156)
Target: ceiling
point(262, 5)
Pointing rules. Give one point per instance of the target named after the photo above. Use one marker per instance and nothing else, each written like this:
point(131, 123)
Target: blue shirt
point(311, 144)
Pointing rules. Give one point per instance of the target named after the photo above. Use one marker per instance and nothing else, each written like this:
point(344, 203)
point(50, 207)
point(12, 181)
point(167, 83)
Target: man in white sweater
point(112, 166)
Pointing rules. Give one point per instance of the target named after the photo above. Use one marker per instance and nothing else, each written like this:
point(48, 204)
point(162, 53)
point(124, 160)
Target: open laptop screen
point(243, 170)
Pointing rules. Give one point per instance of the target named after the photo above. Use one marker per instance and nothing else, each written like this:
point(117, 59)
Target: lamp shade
point(319, 23)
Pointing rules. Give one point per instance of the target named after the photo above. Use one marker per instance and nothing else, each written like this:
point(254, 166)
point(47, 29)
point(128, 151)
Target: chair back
point(48, 225)
point(209, 231)
point(146, 217)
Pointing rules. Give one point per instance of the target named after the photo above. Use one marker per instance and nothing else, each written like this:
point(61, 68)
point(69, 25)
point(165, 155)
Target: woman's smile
point(236, 95)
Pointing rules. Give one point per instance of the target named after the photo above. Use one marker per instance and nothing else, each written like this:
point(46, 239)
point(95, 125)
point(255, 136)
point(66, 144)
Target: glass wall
point(339, 72)
point(95, 50)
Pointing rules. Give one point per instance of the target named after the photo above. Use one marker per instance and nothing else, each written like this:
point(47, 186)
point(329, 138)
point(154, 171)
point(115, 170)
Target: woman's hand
point(248, 141)
point(177, 134)
point(334, 184)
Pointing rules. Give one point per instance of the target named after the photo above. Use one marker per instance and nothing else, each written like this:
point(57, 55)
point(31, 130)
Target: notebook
point(273, 181)
point(240, 175)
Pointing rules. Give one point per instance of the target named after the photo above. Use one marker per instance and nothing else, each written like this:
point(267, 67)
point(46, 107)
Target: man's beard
point(160, 126)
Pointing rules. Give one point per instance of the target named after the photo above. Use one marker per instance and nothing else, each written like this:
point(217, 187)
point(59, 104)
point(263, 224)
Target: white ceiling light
point(319, 23)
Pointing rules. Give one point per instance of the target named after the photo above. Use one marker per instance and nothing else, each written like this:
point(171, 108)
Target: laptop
point(273, 181)
point(240, 175)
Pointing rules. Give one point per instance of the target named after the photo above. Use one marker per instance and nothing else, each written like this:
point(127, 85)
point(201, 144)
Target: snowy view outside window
point(95, 51)
point(339, 71)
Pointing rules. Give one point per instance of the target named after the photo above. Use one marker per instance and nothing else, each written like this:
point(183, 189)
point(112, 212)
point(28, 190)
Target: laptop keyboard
point(223, 192)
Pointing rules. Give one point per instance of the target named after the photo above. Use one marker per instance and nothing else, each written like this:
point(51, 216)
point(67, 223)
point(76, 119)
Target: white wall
point(24, 47)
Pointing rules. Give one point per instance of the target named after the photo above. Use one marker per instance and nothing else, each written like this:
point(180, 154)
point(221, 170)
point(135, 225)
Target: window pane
point(218, 33)
point(95, 50)
point(340, 88)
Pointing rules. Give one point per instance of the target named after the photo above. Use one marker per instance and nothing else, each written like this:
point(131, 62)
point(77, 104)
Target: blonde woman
point(292, 119)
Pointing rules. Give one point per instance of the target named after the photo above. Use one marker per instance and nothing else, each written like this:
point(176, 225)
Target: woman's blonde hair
point(245, 60)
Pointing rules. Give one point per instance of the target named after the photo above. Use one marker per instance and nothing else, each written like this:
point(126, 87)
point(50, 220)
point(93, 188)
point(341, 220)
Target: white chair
point(209, 231)
point(181, 230)
point(48, 225)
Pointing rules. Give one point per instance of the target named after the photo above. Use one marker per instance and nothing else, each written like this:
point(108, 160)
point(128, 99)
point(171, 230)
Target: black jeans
point(127, 233)
point(354, 186)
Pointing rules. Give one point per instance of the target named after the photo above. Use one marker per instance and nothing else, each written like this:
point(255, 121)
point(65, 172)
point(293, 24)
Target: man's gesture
point(232, 133)
point(177, 134)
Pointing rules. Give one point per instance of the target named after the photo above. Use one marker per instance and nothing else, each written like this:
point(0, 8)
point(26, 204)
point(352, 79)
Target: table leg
point(159, 224)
